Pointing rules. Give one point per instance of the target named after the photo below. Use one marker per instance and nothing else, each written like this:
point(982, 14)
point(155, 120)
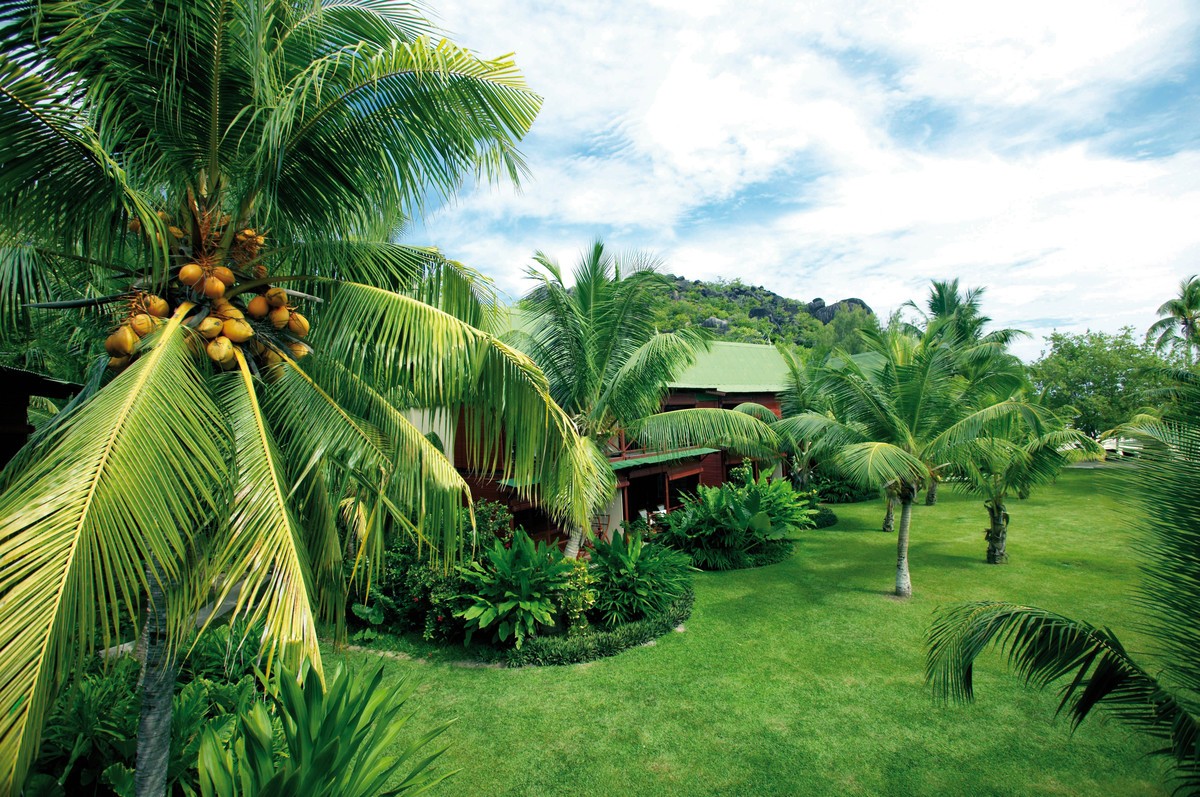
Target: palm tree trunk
point(903, 581)
point(997, 533)
point(574, 543)
point(931, 493)
point(889, 517)
point(157, 686)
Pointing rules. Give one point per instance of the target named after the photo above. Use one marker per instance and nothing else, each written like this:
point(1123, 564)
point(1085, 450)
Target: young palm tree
point(164, 164)
point(891, 425)
point(608, 367)
point(1011, 460)
point(1178, 326)
point(1155, 696)
point(953, 317)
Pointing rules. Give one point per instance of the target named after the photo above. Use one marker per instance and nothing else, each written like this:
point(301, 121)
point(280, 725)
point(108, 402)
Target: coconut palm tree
point(894, 423)
point(1155, 694)
point(607, 365)
point(195, 176)
point(1012, 459)
point(1178, 326)
point(953, 316)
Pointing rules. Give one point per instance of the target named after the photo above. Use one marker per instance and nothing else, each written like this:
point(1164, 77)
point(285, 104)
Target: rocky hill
point(750, 313)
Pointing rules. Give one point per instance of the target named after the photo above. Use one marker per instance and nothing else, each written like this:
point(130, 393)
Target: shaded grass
point(806, 677)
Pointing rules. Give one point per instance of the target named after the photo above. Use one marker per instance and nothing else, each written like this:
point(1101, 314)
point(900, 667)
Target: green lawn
point(806, 677)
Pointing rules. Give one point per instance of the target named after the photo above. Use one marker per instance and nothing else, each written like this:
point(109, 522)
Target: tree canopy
point(189, 177)
point(1106, 378)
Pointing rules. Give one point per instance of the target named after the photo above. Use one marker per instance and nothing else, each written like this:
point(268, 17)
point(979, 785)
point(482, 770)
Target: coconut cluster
point(257, 317)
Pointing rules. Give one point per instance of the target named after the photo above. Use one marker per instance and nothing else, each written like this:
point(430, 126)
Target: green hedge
point(598, 644)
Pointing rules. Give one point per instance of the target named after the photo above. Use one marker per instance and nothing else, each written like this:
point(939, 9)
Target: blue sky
point(833, 148)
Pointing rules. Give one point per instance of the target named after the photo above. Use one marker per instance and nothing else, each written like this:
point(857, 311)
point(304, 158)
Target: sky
point(1046, 149)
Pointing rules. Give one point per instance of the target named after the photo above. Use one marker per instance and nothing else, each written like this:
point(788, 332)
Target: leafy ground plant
point(742, 523)
point(514, 589)
point(337, 738)
point(635, 580)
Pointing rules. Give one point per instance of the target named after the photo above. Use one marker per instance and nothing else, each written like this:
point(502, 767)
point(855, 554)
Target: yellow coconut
point(258, 307)
point(279, 317)
point(232, 312)
point(190, 274)
point(220, 349)
point(298, 350)
point(163, 215)
point(224, 275)
point(210, 327)
point(176, 233)
point(255, 346)
point(121, 342)
point(298, 325)
point(118, 363)
point(271, 358)
point(260, 272)
point(157, 306)
point(142, 324)
point(237, 330)
point(213, 288)
point(276, 297)
point(135, 226)
point(247, 233)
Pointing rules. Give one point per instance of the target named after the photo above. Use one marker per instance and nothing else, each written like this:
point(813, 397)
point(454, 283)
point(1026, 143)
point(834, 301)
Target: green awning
point(669, 456)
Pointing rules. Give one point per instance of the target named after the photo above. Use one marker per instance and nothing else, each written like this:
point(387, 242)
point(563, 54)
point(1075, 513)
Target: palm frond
point(129, 477)
point(877, 464)
point(736, 431)
point(511, 424)
point(636, 388)
point(1044, 647)
point(756, 410)
point(366, 108)
point(56, 170)
point(263, 552)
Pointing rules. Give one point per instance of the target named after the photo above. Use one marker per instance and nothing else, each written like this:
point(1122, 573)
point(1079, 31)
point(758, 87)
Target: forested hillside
point(752, 314)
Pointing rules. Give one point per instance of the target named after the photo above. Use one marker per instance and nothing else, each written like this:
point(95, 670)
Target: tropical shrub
point(222, 653)
point(91, 735)
point(788, 509)
point(834, 488)
point(340, 741)
point(739, 524)
point(408, 595)
point(493, 520)
point(597, 643)
point(824, 518)
point(635, 580)
point(514, 590)
point(578, 596)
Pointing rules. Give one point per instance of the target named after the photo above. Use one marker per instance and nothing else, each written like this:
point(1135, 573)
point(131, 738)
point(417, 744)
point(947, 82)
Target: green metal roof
point(669, 456)
point(736, 368)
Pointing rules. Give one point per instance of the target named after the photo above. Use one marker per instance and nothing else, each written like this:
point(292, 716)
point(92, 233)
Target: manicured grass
point(806, 677)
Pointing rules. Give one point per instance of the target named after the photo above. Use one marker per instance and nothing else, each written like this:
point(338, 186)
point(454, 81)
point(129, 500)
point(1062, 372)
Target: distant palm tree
point(1156, 696)
point(609, 367)
point(894, 423)
point(163, 164)
point(954, 316)
point(1178, 327)
point(1010, 460)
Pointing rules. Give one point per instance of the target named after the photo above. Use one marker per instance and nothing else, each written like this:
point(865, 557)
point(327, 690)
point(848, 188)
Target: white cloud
point(659, 117)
